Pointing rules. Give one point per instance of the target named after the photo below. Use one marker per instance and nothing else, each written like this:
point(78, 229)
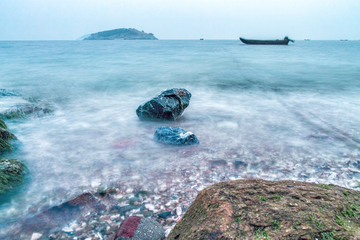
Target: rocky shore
point(180, 202)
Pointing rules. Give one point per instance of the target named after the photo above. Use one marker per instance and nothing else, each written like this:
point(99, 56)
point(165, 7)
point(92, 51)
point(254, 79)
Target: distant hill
point(122, 34)
point(83, 37)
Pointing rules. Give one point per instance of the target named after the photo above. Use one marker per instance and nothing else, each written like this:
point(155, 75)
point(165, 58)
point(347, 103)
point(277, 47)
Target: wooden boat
point(285, 41)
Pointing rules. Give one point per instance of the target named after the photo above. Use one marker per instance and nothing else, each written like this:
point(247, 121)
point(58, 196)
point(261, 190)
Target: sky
point(182, 19)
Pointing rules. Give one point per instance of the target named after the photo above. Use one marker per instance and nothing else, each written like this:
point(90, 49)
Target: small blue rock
point(175, 135)
point(164, 214)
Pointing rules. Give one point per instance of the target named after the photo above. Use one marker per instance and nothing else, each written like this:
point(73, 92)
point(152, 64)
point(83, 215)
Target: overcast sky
point(181, 19)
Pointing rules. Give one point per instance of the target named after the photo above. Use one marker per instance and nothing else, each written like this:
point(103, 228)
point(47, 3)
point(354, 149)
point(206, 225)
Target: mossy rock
point(12, 173)
point(5, 139)
point(2, 124)
point(259, 209)
point(24, 110)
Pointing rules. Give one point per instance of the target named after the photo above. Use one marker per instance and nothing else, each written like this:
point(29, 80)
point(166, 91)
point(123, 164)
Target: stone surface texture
point(9, 93)
point(259, 209)
point(175, 136)
point(5, 140)
point(24, 110)
point(137, 228)
point(12, 173)
point(169, 105)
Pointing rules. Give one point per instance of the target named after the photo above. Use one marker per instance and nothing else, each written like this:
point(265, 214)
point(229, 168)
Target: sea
point(280, 112)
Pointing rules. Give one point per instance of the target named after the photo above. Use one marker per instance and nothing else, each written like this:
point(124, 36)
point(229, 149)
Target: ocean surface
point(282, 112)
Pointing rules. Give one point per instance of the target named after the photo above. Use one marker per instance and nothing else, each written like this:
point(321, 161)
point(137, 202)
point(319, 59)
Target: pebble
point(150, 207)
point(36, 236)
point(130, 190)
point(164, 214)
point(167, 232)
point(178, 211)
point(67, 229)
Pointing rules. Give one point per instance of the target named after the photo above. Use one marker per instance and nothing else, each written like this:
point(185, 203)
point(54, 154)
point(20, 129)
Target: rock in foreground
point(12, 173)
point(169, 105)
point(175, 136)
point(259, 209)
point(137, 228)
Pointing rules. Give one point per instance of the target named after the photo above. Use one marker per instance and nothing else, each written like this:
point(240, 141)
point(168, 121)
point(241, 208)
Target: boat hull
point(265, 42)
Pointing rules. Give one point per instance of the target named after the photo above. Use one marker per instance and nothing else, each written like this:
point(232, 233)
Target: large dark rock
point(259, 209)
point(137, 228)
point(175, 136)
point(12, 173)
point(169, 105)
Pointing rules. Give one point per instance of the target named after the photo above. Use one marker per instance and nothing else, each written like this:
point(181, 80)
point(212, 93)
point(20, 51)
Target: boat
point(285, 41)
point(306, 39)
point(201, 39)
point(343, 40)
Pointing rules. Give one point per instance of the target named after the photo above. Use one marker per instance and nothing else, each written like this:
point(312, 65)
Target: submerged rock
point(2, 124)
point(9, 93)
point(12, 173)
point(5, 140)
point(55, 217)
point(259, 209)
point(24, 110)
point(169, 105)
point(175, 135)
point(137, 228)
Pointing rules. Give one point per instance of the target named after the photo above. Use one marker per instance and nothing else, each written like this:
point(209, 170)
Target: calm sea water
point(290, 112)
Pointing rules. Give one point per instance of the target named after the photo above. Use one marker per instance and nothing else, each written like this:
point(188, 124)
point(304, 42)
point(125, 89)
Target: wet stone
point(218, 162)
point(6, 139)
point(169, 105)
point(164, 214)
point(9, 93)
point(239, 163)
point(12, 174)
point(123, 210)
point(24, 110)
point(175, 136)
point(137, 228)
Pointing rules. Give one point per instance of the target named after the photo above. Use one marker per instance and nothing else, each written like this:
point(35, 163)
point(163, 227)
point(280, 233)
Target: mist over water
point(288, 112)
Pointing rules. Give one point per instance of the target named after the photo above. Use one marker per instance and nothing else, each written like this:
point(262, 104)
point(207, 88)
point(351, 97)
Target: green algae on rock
point(292, 210)
point(2, 124)
point(24, 110)
point(12, 173)
point(5, 137)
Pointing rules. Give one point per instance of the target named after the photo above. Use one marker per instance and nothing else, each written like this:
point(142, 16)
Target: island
point(121, 34)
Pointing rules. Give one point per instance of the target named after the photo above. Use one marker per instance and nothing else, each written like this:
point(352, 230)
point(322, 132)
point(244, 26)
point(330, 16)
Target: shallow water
point(289, 112)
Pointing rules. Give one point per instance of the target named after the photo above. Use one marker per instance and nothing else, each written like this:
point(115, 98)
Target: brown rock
point(259, 209)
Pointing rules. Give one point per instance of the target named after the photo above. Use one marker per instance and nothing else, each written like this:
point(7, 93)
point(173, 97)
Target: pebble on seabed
point(174, 187)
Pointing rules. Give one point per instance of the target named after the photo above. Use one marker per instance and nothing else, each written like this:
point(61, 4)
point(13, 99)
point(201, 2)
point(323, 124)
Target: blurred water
point(290, 112)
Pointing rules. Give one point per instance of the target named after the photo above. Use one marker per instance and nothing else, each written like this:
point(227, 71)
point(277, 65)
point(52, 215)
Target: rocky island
point(121, 34)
